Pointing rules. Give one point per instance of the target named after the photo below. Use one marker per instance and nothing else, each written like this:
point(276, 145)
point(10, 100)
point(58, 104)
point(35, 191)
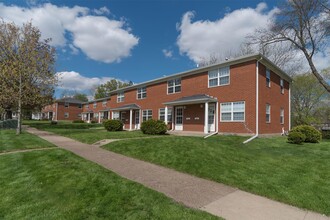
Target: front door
point(123, 118)
point(211, 120)
point(179, 118)
point(137, 119)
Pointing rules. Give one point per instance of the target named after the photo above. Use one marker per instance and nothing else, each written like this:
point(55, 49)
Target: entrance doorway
point(179, 118)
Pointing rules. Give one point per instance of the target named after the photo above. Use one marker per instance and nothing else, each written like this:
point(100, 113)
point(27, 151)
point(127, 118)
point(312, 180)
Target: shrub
point(296, 137)
point(326, 134)
point(77, 121)
point(53, 122)
point(312, 135)
point(153, 127)
point(113, 125)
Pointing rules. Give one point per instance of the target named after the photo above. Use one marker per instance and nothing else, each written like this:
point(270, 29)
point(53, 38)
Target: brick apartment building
point(63, 109)
point(246, 95)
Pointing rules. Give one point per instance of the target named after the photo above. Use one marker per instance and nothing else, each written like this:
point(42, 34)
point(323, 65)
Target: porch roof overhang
point(194, 99)
point(105, 110)
point(87, 112)
point(126, 107)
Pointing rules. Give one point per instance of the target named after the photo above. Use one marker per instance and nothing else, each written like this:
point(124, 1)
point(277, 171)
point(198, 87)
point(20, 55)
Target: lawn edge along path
point(195, 192)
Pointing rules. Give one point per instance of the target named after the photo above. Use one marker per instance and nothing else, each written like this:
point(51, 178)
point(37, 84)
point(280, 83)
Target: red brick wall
point(190, 122)
point(273, 96)
point(73, 111)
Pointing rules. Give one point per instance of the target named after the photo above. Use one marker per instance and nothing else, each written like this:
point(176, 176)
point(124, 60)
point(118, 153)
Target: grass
point(83, 132)
point(295, 174)
point(56, 184)
point(9, 141)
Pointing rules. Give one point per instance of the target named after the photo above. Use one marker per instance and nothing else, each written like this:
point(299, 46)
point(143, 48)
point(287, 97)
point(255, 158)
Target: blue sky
point(137, 40)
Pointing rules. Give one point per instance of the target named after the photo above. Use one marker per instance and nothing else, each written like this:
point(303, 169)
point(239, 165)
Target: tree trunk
point(19, 112)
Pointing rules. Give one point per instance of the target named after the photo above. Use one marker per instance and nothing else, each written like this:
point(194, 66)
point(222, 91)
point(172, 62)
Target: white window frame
point(268, 112)
point(66, 115)
point(104, 103)
point(231, 111)
point(282, 86)
point(146, 114)
point(268, 78)
point(175, 86)
point(87, 106)
point(94, 104)
point(219, 76)
point(120, 97)
point(115, 115)
point(282, 116)
point(66, 105)
point(161, 113)
point(141, 93)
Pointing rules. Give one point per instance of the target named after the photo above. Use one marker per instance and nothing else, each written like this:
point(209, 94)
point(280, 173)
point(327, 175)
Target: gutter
point(257, 105)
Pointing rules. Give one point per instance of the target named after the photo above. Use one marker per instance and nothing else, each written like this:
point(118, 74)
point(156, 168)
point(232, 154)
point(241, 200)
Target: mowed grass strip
point(9, 141)
point(294, 174)
point(59, 185)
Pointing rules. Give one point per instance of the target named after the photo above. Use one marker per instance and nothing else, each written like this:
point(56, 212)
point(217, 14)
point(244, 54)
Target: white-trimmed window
point(120, 97)
point(87, 106)
point(115, 115)
point(219, 77)
point(282, 85)
point(162, 114)
point(66, 114)
point(233, 111)
point(104, 103)
point(66, 104)
point(282, 116)
point(94, 104)
point(79, 115)
point(174, 86)
point(79, 105)
point(267, 77)
point(146, 115)
point(141, 93)
point(267, 113)
point(96, 115)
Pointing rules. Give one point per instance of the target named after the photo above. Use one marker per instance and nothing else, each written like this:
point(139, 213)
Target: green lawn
point(56, 184)
point(294, 174)
point(86, 133)
point(9, 141)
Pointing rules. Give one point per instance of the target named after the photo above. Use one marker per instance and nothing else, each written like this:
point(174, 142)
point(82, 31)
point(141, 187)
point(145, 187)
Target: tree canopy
point(103, 90)
point(26, 68)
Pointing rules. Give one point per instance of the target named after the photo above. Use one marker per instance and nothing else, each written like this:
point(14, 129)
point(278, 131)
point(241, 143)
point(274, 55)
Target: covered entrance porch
point(197, 113)
point(129, 114)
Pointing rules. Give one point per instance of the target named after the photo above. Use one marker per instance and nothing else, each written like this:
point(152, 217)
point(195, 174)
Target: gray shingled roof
point(127, 107)
point(198, 98)
point(69, 100)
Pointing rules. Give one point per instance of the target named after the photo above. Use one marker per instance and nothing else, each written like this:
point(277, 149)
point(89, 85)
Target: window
point(66, 114)
point(162, 114)
point(282, 86)
point(120, 97)
point(104, 103)
point(268, 113)
point(94, 104)
point(79, 105)
point(233, 111)
point(115, 115)
point(79, 115)
point(87, 106)
point(96, 115)
point(146, 115)
point(174, 86)
point(282, 116)
point(141, 93)
point(267, 78)
point(219, 77)
point(66, 104)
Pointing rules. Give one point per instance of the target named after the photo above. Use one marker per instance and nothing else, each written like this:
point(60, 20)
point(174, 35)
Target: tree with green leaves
point(103, 90)
point(26, 68)
point(305, 25)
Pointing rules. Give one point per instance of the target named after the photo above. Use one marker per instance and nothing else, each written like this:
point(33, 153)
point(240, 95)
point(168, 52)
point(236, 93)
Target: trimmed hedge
point(153, 127)
point(53, 122)
point(296, 137)
point(312, 135)
point(113, 125)
point(78, 121)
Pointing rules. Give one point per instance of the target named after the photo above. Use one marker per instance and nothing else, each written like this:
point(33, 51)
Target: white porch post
point(130, 119)
point(166, 119)
point(89, 117)
point(206, 118)
point(173, 117)
point(99, 117)
point(109, 112)
point(217, 117)
point(82, 116)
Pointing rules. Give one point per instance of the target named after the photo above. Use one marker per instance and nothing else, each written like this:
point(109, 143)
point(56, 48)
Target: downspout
point(56, 111)
point(217, 122)
point(257, 105)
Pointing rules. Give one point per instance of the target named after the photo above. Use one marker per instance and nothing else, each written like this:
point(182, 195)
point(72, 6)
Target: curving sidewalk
point(215, 198)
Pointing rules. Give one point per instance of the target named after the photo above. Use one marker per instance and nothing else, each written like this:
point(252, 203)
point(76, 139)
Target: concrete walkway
point(212, 197)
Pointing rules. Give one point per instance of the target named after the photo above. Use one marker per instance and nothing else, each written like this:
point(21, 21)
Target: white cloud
point(98, 37)
point(167, 53)
point(71, 80)
point(199, 39)
point(102, 11)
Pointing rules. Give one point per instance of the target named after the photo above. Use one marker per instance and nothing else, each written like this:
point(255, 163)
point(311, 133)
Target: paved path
point(212, 197)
